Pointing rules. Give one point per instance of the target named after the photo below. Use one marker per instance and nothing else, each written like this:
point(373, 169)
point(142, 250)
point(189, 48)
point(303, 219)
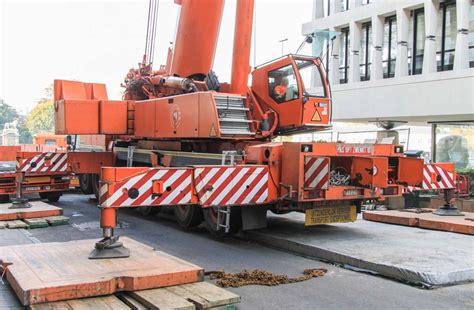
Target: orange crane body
point(182, 139)
point(196, 37)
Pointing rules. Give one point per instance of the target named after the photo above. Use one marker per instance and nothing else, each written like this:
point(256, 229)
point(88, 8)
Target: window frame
point(443, 67)
point(345, 67)
point(303, 86)
point(297, 80)
point(366, 28)
point(470, 33)
point(414, 55)
point(390, 20)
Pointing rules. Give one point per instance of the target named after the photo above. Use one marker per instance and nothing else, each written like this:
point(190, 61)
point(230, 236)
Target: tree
point(7, 113)
point(25, 135)
point(41, 118)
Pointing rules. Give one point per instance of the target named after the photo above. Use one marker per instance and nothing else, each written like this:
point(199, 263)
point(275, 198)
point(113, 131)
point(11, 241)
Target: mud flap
point(254, 217)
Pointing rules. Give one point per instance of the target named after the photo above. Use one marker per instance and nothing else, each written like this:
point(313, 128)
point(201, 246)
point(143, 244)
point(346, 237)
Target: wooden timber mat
point(199, 295)
point(46, 272)
point(38, 209)
point(424, 219)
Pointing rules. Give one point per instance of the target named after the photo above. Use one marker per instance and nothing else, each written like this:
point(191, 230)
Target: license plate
point(33, 188)
point(352, 192)
point(330, 215)
point(35, 180)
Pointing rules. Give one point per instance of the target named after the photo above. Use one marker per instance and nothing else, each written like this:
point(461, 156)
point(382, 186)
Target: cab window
point(282, 84)
point(50, 142)
point(311, 78)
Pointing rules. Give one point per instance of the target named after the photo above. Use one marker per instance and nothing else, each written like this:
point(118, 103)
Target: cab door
point(267, 78)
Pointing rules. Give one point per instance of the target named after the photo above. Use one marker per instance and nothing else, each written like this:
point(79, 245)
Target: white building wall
point(429, 96)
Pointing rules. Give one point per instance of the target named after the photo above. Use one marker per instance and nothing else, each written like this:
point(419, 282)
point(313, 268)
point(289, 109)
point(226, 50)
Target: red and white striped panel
point(231, 185)
point(435, 177)
point(177, 189)
point(316, 172)
point(44, 163)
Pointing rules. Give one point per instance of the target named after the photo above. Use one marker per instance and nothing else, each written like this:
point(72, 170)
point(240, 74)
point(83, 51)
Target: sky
point(99, 41)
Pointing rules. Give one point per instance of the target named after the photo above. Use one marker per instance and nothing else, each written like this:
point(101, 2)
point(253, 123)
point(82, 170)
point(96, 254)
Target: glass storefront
point(455, 143)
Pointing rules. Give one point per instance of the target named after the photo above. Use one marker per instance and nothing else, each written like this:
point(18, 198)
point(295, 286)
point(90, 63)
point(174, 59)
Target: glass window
point(447, 42)
point(344, 56)
point(471, 37)
point(455, 143)
point(417, 42)
point(311, 77)
point(365, 56)
point(389, 54)
point(344, 5)
point(50, 142)
point(326, 8)
point(282, 84)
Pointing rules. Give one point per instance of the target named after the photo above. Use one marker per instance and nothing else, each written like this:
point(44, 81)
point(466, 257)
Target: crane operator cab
point(296, 88)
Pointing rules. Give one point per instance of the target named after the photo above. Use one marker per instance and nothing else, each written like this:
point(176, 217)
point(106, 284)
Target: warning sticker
point(213, 132)
point(316, 117)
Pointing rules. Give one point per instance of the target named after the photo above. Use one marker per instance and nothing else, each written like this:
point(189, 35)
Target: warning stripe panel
point(138, 190)
point(435, 178)
point(231, 185)
point(316, 172)
point(44, 163)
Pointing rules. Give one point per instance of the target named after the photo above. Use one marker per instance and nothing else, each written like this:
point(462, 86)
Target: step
point(234, 120)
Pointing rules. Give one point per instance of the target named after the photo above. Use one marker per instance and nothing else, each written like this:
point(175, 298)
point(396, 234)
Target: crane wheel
point(210, 218)
point(188, 216)
point(148, 210)
point(51, 196)
point(85, 183)
point(4, 198)
point(95, 178)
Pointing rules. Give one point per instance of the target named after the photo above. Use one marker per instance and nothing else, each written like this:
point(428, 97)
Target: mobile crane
point(181, 138)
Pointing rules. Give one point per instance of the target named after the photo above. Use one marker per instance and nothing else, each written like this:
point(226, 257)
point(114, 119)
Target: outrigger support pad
point(109, 247)
point(20, 203)
point(448, 209)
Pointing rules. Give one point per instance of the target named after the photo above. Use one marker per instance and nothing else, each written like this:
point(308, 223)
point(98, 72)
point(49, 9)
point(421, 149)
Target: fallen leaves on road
point(261, 277)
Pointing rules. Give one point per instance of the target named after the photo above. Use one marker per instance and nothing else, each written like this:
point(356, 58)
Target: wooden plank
point(108, 302)
point(392, 217)
point(3, 224)
point(36, 223)
point(457, 224)
point(205, 295)
point(16, 224)
point(162, 299)
point(57, 220)
point(131, 302)
point(47, 272)
point(38, 209)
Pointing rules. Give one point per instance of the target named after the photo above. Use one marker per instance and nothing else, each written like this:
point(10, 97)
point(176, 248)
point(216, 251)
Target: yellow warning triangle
point(316, 117)
point(213, 131)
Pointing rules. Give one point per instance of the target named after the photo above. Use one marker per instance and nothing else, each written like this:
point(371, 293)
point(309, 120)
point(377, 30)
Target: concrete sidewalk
point(408, 254)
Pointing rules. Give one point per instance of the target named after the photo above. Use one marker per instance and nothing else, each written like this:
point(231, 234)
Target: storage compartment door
point(370, 171)
point(410, 171)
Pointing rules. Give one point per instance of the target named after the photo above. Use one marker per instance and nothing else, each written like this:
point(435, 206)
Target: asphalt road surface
point(338, 289)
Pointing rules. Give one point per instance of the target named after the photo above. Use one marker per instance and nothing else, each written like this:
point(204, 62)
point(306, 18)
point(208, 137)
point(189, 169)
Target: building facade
point(410, 60)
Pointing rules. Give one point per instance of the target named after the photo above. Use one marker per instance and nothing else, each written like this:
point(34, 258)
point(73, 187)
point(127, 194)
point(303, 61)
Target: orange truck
point(43, 165)
point(180, 138)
